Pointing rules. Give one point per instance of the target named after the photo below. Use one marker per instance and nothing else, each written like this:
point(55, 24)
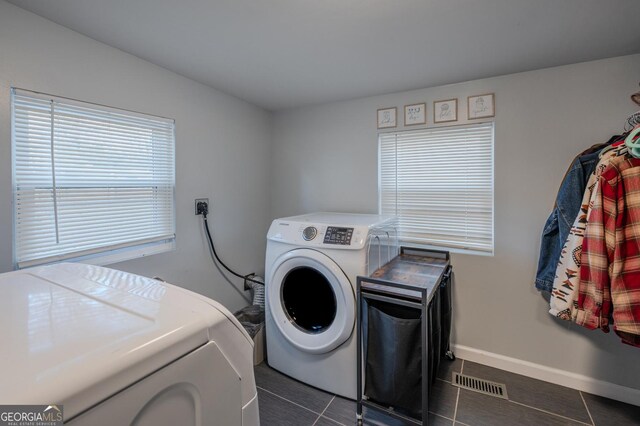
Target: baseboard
point(548, 374)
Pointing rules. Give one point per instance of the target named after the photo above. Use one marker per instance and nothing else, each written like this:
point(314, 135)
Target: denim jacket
point(557, 227)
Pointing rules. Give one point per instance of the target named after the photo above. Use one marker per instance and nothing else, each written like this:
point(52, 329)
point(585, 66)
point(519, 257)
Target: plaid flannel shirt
point(610, 261)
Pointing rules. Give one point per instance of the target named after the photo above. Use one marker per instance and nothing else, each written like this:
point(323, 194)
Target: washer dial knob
point(309, 233)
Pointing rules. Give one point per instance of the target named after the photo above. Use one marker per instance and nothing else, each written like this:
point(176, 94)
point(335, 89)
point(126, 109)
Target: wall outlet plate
point(200, 200)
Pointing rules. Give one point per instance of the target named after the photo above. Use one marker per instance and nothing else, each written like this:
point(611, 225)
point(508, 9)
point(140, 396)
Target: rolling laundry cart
point(404, 324)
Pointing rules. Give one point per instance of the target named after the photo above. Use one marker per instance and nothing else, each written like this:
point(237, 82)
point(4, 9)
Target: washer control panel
point(319, 235)
point(309, 233)
point(336, 235)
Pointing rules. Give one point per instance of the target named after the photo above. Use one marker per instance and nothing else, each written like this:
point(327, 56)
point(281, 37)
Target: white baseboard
point(548, 374)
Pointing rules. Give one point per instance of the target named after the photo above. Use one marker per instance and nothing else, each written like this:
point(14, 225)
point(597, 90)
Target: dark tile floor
point(284, 401)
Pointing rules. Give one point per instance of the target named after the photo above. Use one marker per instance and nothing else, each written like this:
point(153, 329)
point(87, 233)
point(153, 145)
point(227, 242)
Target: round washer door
point(311, 300)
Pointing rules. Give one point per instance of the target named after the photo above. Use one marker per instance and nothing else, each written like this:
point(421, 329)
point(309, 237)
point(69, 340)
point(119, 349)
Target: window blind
point(88, 179)
point(439, 183)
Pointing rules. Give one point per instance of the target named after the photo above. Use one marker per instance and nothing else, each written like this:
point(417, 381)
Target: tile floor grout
point(325, 409)
point(587, 408)
point(288, 400)
point(455, 410)
point(440, 415)
point(549, 412)
point(330, 419)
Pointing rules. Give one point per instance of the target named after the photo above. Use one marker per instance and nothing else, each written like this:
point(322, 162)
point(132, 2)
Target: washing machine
point(312, 262)
point(111, 348)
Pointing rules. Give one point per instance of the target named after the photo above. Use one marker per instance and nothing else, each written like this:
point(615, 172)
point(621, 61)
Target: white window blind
point(88, 179)
point(439, 182)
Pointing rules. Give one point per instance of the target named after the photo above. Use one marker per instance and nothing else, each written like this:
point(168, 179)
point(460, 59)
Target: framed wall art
point(481, 106)
point(387, 118)
point(415, 114)
point(445, 111)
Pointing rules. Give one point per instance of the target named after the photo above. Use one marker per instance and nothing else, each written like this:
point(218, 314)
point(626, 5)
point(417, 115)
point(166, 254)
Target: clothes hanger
point(632, 121)
point(632, 142)
point(606, 149)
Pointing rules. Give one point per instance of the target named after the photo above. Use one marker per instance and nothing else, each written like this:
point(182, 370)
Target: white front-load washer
point(312, 262)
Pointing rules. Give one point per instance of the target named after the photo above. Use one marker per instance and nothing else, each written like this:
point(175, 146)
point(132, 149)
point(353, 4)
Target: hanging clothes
point(556, 229)
point(565, 210)
point(610, 260)
point(563, 301)
point(596, 279)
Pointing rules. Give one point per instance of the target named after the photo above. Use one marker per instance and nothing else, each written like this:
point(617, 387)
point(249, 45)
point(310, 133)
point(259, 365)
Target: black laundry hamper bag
point(393, 349)
point(435, 336)
point(446, 308)
point(394, 357)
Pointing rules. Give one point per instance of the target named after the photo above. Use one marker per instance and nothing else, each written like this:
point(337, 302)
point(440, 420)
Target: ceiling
point(282, 54)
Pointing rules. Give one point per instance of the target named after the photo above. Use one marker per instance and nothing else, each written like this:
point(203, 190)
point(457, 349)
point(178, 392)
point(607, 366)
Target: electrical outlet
point(202, 206)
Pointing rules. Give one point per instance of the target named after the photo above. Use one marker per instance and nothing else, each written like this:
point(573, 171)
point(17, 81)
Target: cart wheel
point(450, 355)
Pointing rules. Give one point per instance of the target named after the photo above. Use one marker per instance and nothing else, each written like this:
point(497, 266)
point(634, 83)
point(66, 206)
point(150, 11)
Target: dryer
point(312, 262)
point(114, 348)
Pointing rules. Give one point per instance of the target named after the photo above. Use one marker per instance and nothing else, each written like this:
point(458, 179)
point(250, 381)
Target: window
point(439, 182)
point(90, 182)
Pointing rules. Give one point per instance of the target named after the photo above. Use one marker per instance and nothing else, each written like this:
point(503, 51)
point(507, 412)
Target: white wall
point(325, 158)
point(222, 145)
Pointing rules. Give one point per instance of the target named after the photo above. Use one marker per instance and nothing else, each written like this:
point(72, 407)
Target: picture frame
point(481, 106)
point(415, 114)
point(387, 118)
point(445, 111)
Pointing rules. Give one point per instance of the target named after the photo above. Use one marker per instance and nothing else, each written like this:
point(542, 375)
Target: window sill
point(118, 255)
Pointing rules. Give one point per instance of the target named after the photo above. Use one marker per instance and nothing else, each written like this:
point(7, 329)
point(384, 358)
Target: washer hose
point(254, 283)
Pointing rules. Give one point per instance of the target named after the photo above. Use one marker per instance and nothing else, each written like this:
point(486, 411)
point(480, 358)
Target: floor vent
point(480, 385)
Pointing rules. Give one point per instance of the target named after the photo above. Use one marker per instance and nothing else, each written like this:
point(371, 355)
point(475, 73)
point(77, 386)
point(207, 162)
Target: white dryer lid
point(76, 334)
